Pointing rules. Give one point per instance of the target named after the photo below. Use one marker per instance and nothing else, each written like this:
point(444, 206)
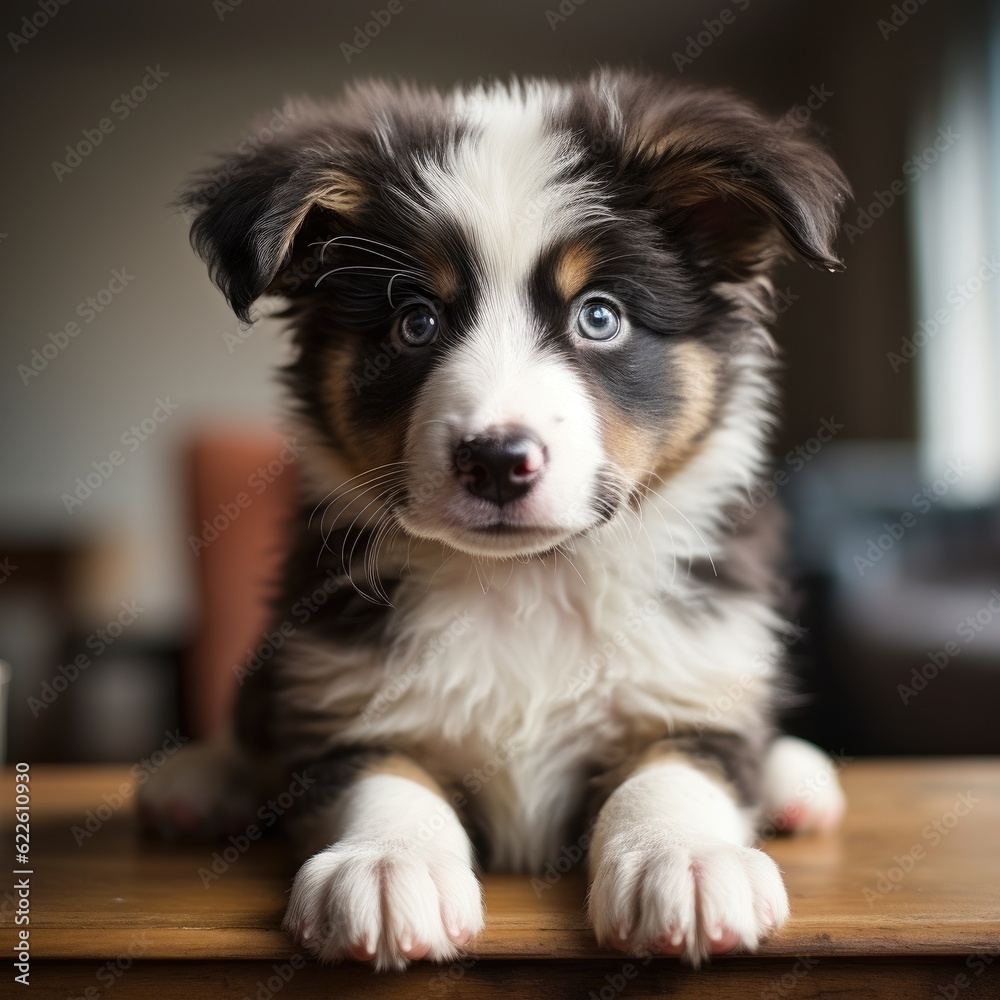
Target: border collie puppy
point(533, 369)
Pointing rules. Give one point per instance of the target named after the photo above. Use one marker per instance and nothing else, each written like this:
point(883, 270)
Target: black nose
point(499, 468)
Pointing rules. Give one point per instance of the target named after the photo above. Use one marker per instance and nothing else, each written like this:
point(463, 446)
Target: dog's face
point(515, 310)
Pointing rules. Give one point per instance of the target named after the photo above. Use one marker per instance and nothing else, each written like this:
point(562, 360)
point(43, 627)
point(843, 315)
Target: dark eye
point(420, 326)
point(598, 320)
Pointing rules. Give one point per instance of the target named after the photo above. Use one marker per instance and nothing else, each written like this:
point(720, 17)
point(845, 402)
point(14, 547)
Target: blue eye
point(598, 320)
point(420, 326)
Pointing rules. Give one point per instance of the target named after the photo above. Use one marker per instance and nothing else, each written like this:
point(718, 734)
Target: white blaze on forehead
point(503, 183)
point(503, 179)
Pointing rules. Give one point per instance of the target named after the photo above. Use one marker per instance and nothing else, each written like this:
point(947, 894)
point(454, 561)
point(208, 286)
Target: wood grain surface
point(903, 901)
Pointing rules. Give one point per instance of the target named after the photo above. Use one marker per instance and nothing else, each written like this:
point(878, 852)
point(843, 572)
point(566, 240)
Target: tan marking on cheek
point(362, 451)
point(638, 451)
point(573, 270)
point(342, 193)
point(631, 449)
point(403, 767)
point(696, 369)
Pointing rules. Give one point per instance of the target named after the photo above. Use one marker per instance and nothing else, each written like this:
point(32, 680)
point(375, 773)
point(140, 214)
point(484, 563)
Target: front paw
point(387, 902)
point(669, 893)
point(205, 791)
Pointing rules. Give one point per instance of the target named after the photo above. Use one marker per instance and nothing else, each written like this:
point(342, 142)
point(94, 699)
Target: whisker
point(387, 527)
point(388, 290)
point(365, 239)
point(560, 550)
point(701, 537)
point(374, 253)
point(452, 554)
point(360, 490)
point(367, 472)
point(370, 269)
point(349, 560)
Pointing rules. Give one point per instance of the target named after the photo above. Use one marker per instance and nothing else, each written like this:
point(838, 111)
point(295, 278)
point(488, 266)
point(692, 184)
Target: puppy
point(533, 369)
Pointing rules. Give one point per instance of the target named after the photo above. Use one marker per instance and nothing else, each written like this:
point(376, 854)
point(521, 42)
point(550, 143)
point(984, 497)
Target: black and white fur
point(597, 654)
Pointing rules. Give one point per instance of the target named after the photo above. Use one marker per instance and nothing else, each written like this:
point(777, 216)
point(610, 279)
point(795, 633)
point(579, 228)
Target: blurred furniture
point(904, 581)
point(903, 902)
point(242, 485)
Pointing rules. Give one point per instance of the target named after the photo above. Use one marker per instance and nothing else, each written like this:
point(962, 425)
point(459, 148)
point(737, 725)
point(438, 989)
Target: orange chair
point(242, 486)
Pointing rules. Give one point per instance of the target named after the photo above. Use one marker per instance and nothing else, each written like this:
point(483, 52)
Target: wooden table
point(903, 902)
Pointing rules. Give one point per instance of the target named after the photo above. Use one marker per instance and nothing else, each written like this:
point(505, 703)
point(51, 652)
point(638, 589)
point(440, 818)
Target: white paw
point(387, 902)
point(205, 790)
point(665, 892)
point(800, 788)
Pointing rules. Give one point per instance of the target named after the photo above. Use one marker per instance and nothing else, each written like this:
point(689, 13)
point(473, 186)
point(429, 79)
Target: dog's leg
point(800, 789)
point(205, 790)
point(671, 864)
point(396, 881)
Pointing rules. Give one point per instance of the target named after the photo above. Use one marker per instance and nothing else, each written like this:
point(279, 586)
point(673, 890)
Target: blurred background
point(137, 416)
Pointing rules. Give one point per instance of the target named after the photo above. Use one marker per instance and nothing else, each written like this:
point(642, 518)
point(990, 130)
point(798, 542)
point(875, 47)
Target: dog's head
point(515, 308)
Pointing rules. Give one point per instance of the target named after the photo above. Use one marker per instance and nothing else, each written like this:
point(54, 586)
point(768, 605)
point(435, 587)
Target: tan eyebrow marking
point(573, 270)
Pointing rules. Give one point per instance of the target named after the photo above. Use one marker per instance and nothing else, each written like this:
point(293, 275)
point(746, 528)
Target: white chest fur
point(515, 686)
point(516, 680)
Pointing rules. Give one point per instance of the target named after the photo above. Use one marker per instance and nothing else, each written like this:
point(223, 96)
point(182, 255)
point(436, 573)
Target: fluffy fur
point(535, 626)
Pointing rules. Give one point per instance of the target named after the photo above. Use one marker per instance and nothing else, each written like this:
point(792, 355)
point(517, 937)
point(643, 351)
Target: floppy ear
point(248, 212)
point(745, 188)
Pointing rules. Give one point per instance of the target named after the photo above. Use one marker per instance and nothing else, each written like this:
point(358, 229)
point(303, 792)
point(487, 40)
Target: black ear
point(745, 187)
point(248, 210)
